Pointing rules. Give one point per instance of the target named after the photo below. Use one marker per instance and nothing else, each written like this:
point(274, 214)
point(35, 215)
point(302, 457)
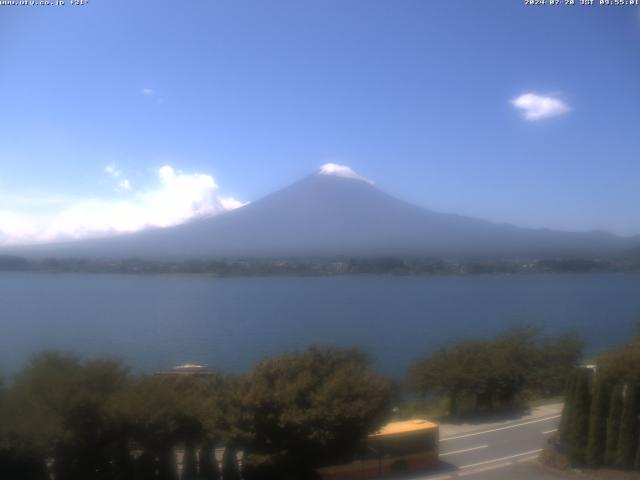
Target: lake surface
point(155, 322)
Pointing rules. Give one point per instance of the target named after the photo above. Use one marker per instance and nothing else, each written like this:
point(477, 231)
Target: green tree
point(15, 460)
point(613, 425)
point(469, 372)
point(314, 406)
point(557, 357)
point(568, 410)
point(578, 428)
point(628, 440)
point(622, 365)
point(57, 408)
point(159, 415)
point(598, 423)
point(496, 372)
point(515, 356)
point(636, 462)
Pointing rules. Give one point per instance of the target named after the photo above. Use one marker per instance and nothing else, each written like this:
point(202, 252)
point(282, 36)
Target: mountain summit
point(341, 171)
point(336, 211)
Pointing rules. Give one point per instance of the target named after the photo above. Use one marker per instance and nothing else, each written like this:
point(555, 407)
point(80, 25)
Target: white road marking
point(501, 428)
point(485, 466)
point(527, 459)
point(500, 459)
point(471, 449)
point(549, 431)
point(485, 469)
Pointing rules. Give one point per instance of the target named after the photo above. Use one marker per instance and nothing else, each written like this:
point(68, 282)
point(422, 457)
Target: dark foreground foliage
point(92, 419)
point(82, 420)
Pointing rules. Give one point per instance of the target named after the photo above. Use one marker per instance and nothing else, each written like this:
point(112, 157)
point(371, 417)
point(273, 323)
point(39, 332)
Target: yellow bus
point(406, 446)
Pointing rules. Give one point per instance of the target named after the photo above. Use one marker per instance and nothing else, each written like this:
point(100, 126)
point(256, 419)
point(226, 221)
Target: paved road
point(508, 446)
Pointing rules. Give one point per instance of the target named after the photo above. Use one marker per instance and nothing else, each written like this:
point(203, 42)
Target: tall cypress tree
point(613, 425)
point(636, 463)
point(208, 464)
point(598, 423)
point(579, 426)
point(568, 411)
point(628, 440)
point(189, 462)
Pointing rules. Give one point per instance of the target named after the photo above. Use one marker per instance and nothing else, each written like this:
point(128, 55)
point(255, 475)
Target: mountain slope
point(334, 215)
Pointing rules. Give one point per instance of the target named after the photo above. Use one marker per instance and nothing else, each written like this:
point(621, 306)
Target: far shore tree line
point(600, 426)
point(71, 419)
point(320, 266)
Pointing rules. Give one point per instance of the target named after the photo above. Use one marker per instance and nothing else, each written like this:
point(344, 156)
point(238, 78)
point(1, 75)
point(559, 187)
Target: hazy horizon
point(327, 170)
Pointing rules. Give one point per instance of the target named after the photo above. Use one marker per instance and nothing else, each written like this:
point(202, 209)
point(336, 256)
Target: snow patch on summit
point(342, 171)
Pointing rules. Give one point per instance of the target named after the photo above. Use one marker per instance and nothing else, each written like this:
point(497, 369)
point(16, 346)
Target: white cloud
point(124, 183)
point(342, 171)
point(13, 225)
point(537, 107)
point(177, 198)
point(112, 170)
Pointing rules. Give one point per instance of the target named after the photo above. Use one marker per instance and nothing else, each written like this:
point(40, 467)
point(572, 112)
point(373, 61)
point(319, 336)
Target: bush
point(496, 373)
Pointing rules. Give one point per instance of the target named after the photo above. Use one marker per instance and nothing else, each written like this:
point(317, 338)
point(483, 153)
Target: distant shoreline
point(322, 267)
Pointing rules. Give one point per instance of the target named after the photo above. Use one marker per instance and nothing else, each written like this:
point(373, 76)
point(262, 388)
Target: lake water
point(155, 322)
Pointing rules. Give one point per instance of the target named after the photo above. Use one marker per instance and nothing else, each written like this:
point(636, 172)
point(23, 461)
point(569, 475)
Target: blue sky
point(237, 99)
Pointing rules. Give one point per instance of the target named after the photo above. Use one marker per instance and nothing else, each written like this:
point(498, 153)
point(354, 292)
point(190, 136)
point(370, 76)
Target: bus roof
point(405, 426)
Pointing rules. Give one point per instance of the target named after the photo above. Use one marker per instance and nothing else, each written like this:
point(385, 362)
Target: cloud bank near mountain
point(176, 198)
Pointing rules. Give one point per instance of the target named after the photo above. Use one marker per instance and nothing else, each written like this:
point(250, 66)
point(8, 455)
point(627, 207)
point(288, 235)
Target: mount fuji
point(335, 211)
